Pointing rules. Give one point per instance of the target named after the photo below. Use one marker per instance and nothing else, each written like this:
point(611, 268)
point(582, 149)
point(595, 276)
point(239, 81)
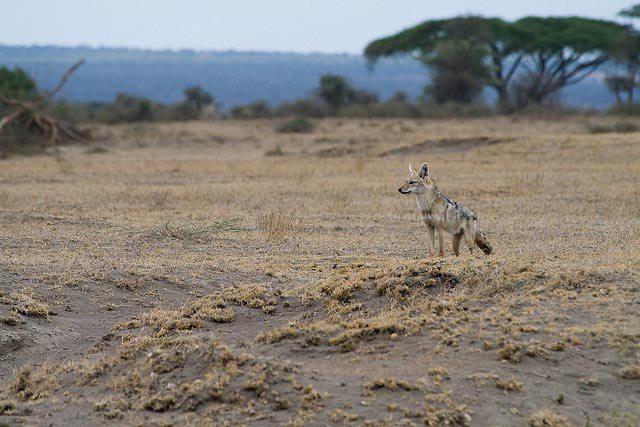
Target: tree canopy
point(544, 54)
point(197, 97)
point(624, 76)
point(334, 90)
point(632, 12)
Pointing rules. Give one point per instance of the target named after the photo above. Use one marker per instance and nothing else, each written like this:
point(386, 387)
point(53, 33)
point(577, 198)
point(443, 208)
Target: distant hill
point(232, 77)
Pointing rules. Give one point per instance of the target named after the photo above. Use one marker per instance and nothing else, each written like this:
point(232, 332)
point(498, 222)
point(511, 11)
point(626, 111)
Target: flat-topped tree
point(561, 51)
point(631, 12)
point(545, 54)
point(495, 39)
point(625, 53)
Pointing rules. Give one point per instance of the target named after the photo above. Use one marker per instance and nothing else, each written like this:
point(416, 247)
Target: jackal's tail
point(480, 239)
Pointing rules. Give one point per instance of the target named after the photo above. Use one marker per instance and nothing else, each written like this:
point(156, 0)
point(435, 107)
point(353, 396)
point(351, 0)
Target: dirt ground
point(224, 273)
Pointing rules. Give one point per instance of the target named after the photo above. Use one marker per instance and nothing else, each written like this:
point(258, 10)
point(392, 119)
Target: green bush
point(453, 109)
point(256, 110)
point(626, 109)
point(127, 108)
point(16, 84)
point(296, 125)
point(621, 127)
point(304, 107)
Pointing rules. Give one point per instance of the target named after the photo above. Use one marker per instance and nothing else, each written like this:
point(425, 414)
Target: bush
point(452, 109)
point(360, 111)
point(296, 125)
point(392, 108)
point(16, 84)
point(625, 109)
point(335, 91)
point(398, 108)
point(256, 110)
point(182, 111)
point(304, 107)
point(362, 96)
point(127, 108)
point(621, 127)
point(546, 110)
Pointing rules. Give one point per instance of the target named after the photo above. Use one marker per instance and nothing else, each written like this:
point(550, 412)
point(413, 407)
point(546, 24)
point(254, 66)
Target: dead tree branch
point(50, 93)
point(29, 115)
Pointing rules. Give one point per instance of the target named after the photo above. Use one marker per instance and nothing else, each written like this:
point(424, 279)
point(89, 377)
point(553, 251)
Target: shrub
point(296, 125)
point(625, 109)
point(453, 109)
point(256, 110)
point(621, 127)
point(304, 107)
point(127, 108)
point(16, 84)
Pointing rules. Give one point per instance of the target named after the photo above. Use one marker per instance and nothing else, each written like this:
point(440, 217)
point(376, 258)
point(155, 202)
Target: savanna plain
point(223, 273)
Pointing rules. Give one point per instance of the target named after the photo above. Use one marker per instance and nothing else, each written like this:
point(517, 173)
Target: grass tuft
point(277, 225)
point(548, 418)
point(296, 125)
point(24, 302)
point(630, 372)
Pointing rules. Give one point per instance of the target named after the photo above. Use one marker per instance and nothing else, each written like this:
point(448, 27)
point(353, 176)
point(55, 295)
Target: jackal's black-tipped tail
point(481, 241)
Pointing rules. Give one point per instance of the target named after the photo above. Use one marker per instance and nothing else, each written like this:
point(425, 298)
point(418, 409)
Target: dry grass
point(4, 199)
point(335, 274)
point(510, 384)
point(278, 225)
point(199, 232)
point(24, 301)
point(630, 372)
point(216, 307)
point(548, 418)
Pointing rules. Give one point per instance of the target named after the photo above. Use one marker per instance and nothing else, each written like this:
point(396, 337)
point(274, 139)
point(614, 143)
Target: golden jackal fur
point(443, 214)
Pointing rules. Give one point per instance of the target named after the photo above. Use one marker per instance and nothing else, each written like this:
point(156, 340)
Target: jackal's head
point(418, 181)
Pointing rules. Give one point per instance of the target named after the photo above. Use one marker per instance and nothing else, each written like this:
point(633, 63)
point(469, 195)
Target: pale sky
point(330, 26)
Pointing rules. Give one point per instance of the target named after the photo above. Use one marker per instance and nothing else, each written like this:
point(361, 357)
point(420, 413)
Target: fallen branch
point(28, 114)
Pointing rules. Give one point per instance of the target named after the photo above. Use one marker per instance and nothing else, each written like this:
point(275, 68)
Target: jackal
point(443, 214)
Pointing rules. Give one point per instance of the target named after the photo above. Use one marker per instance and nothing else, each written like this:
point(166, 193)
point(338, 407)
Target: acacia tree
point(561, 51)
point(458, 68)
point(197, 97)
point(626, 58)
point(489, 44)
point(624, 78)
point(543, 54)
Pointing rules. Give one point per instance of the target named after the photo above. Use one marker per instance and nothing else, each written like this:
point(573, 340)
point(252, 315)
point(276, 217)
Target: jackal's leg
point(432, 240)
point(441, 241)
point(456, 242)
point(468, 238)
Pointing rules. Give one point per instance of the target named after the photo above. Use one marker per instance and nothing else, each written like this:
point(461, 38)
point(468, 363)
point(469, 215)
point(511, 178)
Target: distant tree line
point(125, 108)
point(526, 63)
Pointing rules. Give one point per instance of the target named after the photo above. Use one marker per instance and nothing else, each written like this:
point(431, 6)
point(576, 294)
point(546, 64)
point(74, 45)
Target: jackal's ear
point(424, 170)
point(412, 171)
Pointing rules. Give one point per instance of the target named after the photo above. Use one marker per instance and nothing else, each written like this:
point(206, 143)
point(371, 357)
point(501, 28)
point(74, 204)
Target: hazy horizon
point(287, 26)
